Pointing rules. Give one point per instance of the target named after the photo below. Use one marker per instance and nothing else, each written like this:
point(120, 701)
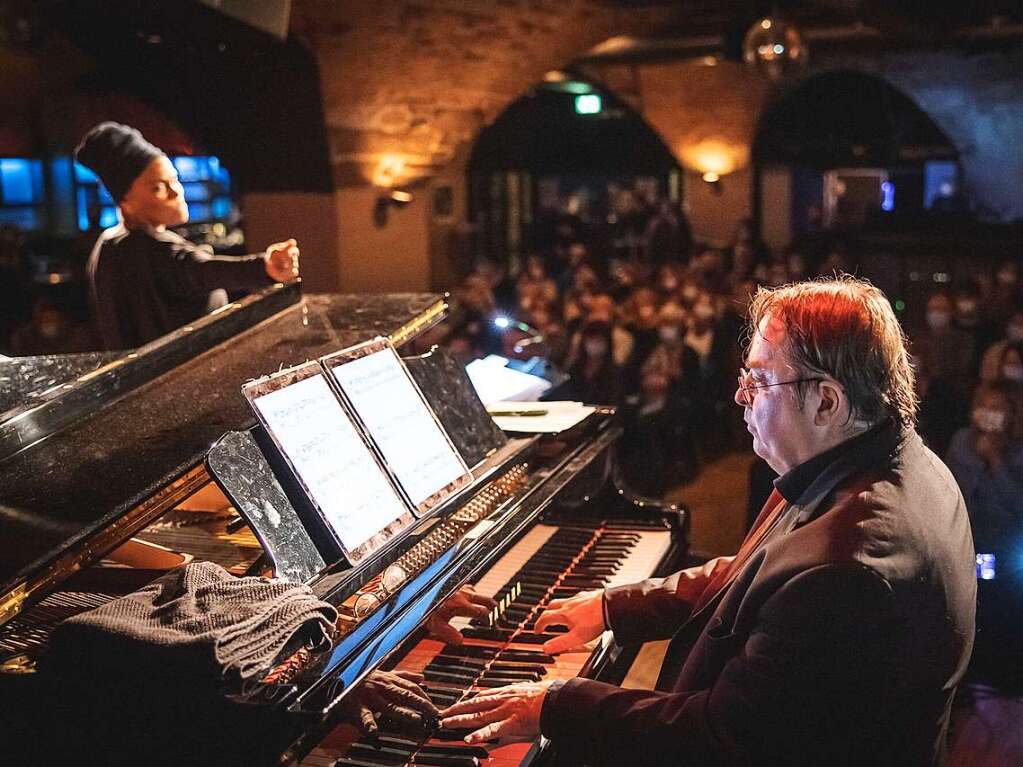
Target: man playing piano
point(145, 280)
point(838, 633)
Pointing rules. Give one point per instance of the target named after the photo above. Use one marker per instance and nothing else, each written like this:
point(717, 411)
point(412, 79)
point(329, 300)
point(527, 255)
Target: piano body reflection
point(153, 460)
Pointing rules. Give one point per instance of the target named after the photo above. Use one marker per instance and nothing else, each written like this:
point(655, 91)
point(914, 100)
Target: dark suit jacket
point(146, 283)
point(840, 641)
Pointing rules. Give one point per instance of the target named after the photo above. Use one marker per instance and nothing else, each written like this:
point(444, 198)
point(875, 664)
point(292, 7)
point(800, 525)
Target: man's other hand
point(395, 696)
point(506, 714)
point(583, 614)
point(282, 261)
point(467, 603)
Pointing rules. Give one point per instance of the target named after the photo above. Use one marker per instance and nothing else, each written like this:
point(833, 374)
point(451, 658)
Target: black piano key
point(491, 634)
point(508, 677)
point(449, 677)
point(471, 650)
point(347, 761)
point(445, 760)
point(529, 656)
point(529, 638)
point(445, 666)
point(536, 668)
point(455, 749)
point(463, 659)
point(378, 754)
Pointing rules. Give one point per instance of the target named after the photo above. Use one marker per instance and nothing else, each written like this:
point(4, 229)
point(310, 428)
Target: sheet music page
point(318, 437)
point(401, 423)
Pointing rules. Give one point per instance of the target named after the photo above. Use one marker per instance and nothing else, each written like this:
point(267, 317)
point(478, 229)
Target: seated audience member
point(534, 287)
point(943, 355)
point(51, 331)
point(717, 368)
point(991, 362)
point(987, 461)
point(970, 317)
point(594, 374)
point(1011, 377)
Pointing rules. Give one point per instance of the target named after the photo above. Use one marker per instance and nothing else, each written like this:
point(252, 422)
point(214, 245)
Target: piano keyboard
point(548, 562)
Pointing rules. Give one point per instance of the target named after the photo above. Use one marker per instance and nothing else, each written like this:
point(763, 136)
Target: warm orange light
point(389, 170)
point(714, 156)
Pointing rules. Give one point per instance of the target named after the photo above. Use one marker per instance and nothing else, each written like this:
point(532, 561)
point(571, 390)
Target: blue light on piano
point(355, 667)
point(887, 196)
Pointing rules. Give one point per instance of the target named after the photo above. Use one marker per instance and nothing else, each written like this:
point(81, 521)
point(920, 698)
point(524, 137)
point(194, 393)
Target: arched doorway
point(565, 150)
point(843, 149)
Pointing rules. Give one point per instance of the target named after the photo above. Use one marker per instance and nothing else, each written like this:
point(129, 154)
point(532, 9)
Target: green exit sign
point(588, 104)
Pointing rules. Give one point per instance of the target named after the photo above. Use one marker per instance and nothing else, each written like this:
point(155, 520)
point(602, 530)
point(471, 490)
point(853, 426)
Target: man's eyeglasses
point(748, 389)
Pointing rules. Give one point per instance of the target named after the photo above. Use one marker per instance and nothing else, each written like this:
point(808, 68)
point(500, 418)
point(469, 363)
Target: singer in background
point(145, 280)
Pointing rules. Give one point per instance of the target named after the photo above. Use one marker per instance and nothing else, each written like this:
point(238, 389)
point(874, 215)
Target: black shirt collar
point(794, 483)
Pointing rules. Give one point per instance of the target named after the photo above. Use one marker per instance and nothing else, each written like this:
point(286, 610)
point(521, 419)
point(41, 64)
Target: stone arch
point(838, 118)
point(539, 141)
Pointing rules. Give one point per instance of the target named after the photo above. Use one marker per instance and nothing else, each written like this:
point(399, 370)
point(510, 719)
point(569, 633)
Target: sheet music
point(401, 423)
point(327, 453)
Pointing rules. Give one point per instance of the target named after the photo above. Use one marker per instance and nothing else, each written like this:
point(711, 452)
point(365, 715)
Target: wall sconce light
point(391, 198)
point(714, 181)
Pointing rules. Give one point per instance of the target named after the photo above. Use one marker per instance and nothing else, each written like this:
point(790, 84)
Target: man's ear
point(833, 404)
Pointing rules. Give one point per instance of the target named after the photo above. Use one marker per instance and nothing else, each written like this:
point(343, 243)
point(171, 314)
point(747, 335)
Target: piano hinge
point(12, 602)
point(427, 319)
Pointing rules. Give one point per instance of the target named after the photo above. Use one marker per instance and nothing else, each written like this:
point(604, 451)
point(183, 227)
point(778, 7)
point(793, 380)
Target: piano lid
point(84, 478)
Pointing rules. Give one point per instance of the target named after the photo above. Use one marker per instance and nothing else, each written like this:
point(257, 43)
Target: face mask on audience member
point(989, 420)
point(595, 347)
point(1013, 373)
point(669, 334)
point(938, 320)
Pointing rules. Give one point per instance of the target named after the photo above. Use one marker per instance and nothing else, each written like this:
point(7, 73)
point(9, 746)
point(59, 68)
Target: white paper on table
point(556, 416)
point(494, 381)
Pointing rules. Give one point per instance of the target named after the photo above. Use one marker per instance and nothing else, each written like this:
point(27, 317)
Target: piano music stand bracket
point(241, 470)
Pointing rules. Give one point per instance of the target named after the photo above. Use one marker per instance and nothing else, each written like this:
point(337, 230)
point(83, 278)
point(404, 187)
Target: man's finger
point(416, 700)
point(480, 599)
point(489, 732)
point(551, 618)
point(476, 718)
point(367, 722)
point(410, 676)
point(402, 714)
point(473, 705)
point(445, 632)
point(563, 642)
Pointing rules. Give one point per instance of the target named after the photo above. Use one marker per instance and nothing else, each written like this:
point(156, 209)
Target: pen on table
point(509, 413)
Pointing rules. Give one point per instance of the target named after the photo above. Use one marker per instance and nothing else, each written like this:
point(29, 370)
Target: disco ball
point(774, 47)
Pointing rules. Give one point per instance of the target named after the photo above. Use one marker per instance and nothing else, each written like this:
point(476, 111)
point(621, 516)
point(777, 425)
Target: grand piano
point(133, 464)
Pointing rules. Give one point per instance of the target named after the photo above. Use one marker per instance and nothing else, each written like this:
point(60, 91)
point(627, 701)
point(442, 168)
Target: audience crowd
point(643, 318)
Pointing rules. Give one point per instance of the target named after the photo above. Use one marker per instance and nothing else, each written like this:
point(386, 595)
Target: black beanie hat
point(117, 154)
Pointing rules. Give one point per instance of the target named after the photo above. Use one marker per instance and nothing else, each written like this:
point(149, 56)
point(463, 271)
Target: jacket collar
point(874, 448)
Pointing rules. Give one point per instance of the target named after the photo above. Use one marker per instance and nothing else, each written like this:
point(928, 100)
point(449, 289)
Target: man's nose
point(742, 397)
